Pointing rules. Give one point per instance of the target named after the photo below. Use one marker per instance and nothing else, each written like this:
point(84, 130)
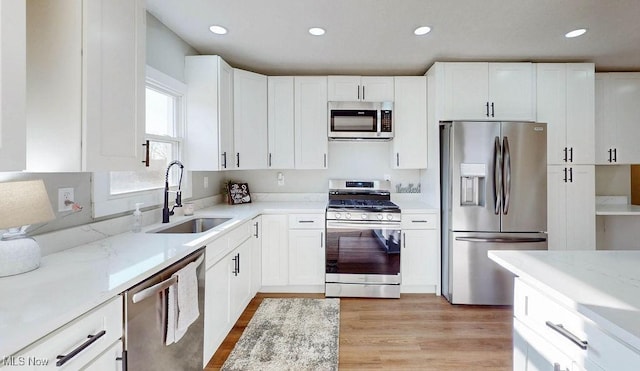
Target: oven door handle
point(362, 225)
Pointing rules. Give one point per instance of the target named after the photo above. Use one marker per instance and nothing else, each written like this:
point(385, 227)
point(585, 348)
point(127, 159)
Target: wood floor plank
point(414, 332)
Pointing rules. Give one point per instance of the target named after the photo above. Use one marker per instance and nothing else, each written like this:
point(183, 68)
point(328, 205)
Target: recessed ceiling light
point(423, 30)
point(218, 30)
point(576, 33)
point(316, 31)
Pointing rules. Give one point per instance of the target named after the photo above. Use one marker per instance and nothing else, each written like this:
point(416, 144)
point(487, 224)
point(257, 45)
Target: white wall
point(165, 50)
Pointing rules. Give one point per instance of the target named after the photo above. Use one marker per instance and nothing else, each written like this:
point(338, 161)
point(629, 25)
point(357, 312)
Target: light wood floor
point(415, 332)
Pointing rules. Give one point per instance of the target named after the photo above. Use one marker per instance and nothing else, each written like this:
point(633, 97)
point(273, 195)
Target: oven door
point(363, 252)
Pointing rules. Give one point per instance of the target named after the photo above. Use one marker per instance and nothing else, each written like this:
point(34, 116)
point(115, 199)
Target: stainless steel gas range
point(362, 240)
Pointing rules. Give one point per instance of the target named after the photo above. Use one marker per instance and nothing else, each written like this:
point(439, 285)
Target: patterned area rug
point(289, 334)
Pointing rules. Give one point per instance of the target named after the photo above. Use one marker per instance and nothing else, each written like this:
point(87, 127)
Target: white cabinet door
point(571, 207)
point(13, 80)
point(110, 360)
point(256, 255)
point(275, 250)
point(281, 122)
point(605, 136)
point(86, 113)
point(311, 122)
point(565, 101)
point(241, 287)
point(217, 316)
point(512, 91)
point(113, 88)
point(343, 88)
point(377, 88)
point(209, 143)
point(306, 257)
point(357, 88)
point(581, 113)
point(552, 108)
point(410, 123)
point(419, 259)
point(489, 91)
point(465, 95)
point(250, 120)
point(621, 117)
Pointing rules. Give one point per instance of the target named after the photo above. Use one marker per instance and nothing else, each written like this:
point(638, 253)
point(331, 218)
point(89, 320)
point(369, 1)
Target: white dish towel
point(182, 303)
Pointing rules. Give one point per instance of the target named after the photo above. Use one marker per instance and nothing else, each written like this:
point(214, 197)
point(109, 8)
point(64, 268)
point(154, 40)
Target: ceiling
point(375, 37)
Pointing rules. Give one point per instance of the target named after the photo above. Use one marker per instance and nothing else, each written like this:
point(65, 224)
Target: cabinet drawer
point(104, 324)
point(574, 334)
point(306, 221)
point(419, 221)
point(240, 234)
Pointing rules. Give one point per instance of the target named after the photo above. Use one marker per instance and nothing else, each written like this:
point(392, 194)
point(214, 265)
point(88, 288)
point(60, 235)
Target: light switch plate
point(65, 194)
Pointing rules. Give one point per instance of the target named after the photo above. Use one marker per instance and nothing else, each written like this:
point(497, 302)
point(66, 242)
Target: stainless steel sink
point(196, 225)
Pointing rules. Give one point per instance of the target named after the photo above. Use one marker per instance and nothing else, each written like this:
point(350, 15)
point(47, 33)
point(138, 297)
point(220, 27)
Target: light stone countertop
point(604, 286)
point(73, 281)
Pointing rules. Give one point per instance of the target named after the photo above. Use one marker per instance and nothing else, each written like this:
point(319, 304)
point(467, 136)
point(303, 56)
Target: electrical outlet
point(280, 179)
point(206, 182)
point(65, 199)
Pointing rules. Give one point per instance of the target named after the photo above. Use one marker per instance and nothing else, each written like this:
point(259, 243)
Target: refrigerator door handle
point(506, 168)
point(502, 239)
point(497, 176)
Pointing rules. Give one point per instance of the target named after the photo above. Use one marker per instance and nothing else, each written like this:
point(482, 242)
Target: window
point(118, 191)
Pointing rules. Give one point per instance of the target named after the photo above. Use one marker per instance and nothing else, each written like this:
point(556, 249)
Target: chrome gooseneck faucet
point(165, 210)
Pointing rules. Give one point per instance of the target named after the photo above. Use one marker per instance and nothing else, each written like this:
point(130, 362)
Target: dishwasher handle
point(152, 290)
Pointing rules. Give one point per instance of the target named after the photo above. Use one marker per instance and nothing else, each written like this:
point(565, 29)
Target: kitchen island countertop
point(603, 286)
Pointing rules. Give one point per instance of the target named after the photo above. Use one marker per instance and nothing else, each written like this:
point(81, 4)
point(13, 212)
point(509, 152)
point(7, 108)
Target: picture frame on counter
point(238, 193)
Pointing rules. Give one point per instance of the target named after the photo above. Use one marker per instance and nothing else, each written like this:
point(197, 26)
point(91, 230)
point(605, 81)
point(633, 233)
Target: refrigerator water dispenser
point(472, 184)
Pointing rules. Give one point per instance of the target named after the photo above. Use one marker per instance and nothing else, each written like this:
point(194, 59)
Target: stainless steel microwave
point(360, 120)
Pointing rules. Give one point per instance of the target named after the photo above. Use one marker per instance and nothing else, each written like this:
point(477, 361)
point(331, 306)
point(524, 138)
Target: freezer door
point(474, 278)
point(524, 177)
point(474, 183)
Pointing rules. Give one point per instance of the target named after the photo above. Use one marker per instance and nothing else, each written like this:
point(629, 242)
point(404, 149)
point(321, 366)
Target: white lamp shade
point(24, 203)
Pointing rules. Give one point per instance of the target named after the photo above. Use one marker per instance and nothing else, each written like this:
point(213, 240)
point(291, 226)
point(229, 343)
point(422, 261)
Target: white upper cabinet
point(311, 142)
point(489, 91)
point(250, 120)
point(410, 123)
point(565, 101)
point(85, 92)
point(209, 113)
point(360, 88)
point(618, 118)
point(281, 122)
point(12, 85)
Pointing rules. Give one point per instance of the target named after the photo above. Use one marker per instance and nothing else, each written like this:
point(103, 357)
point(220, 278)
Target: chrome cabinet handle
point(269, 159)
point(363, 98)
point(565, 154)
point(567, 334)
point(358, 92)
point(238, 159)
point(487, 105)
point(256, 225)
point(615, 155)
point(325, 160)
point(397, 158)
point(321, 240)
point(493, 112)
point(62, 359)
point(570, 175)
point(404, 240)
point(571, 154)
point(419, 221)
point(224, 158)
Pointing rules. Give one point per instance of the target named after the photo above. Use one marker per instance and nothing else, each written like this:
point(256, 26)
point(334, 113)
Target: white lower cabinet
point(571, 207)
point(420, 256)
point(228, 287)
point(275, 251)
point(110, 360)
point(551, 334)
point(77, 344)
point(306, 250)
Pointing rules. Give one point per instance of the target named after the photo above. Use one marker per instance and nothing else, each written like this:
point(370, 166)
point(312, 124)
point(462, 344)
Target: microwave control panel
point(385, 124)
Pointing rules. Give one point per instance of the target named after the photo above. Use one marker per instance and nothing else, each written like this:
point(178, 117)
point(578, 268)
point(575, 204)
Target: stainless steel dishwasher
point(145, 324)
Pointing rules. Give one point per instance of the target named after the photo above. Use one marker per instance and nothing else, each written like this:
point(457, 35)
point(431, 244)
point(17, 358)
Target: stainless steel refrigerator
point(493, 197)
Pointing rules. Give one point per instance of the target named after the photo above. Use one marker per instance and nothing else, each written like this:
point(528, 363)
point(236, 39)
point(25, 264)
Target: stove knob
point(364, 216)
point(347, 215)
point(338, 215)
point(379, 216)
point(390, 216)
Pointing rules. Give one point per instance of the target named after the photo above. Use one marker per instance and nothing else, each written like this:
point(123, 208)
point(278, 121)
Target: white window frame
point(105, 203)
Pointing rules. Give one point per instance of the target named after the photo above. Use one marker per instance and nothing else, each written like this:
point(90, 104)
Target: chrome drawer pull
point(419, 221)
point(62, 359)
point(564, 332)
point(305, 221)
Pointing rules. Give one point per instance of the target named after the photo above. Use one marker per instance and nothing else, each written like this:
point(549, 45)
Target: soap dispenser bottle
point(137, 219)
